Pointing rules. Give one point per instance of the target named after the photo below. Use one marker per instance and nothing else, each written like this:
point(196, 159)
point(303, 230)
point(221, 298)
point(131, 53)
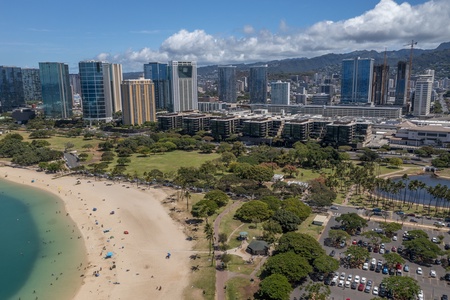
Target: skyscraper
point(31, 85)
point(356, 81)
point(422, 94)
point(11, 88)
point(157, 72)
point(280, 92)
point(116, 81)
point(227, 84)
point(183, 85)
point(56, 91)
point(380, 85)
point(95, 78)
point(75, 83)
point(138, 102)
point(258, 84)
point(401, 84)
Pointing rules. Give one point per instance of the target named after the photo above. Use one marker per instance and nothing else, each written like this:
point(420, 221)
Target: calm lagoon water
point(40, 252)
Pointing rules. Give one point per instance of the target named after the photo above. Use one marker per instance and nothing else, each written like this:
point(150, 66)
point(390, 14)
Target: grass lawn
point(307, 227)
point(203, 281)
point(240, 288)
point(238, 265)
point(167, 162)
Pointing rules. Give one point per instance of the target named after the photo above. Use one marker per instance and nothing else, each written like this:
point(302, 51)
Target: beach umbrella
point(109, 254)
point(94, 209)
point(125, 232)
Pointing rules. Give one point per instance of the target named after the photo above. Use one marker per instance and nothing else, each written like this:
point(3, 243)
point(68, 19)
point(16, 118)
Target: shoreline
point(129, 222)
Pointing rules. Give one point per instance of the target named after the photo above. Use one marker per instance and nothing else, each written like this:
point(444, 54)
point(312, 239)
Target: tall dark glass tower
point(401, 84)
point(11, 88)
point(56, 91)
point(157, 72)
point(95, 79)
point(227, 84)
point(258, 84)
point(380, 85)
point(356, 81)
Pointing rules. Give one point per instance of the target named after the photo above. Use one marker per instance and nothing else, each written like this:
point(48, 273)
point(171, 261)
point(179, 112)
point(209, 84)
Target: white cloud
point(388, 24)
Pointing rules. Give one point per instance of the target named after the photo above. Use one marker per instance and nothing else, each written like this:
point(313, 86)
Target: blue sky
point(211, 32)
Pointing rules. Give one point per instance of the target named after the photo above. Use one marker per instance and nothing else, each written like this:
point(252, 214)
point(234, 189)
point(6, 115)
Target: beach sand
point(138, 268)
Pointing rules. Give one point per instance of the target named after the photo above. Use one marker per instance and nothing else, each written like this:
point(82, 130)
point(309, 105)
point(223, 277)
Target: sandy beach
point(127, 221)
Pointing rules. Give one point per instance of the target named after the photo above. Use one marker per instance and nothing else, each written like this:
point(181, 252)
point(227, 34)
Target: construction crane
point(408, 100)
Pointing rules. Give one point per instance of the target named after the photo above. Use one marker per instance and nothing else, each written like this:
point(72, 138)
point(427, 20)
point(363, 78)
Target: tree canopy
point(402, 287)
point(325, 264)
point(293, 266)
point(288, 220)
point(351, 222)
point(274, 287)
point(302, 244)
point(253, 211)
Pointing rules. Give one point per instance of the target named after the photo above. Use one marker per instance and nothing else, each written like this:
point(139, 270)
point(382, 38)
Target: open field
point(307, 227)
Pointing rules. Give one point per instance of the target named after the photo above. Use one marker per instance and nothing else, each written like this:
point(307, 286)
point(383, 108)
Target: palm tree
point(188, 196)
point(404, 180)
point(209, 234)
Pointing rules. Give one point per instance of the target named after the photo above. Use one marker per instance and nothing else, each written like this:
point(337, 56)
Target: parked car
point(357, 278)
point(385, 270)
point(394, 249)
point(341, 283)
point(367, 289)
point(347, 284)
point(406, 268)
point(332, 253)
point(435, 240)
point(375, 290)
point(361, 287)
point(342, 277)
point(420, 295)
point(419, 271)
point(354, 285)
point(363, 280)
point(334, 207)
point(394, 238)
point(365, 266)
point(433, 273)
point(378, 269)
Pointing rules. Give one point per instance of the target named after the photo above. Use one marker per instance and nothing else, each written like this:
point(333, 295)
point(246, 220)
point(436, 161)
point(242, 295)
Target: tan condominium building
point(138, 101)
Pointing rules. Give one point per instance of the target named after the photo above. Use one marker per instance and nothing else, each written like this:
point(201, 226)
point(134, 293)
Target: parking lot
point(433, 288)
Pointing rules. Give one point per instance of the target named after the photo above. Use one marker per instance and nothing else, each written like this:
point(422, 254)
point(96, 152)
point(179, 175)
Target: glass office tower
point(56, 91)
point(258, 84)
point(356, 81)
point(31, 85)
point(401, 84)
point(157, 72)
point(95, 78)
point(11, 88)
point(227, 84)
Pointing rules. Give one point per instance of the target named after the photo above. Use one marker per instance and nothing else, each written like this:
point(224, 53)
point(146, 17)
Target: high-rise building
point(422, 94)
point(116, 81)
point(356, 81)
point(56, 91)
point(227, 84)
point(31, 85)
point(157, 72)
point(138, 102)
point(280, 92)
point(183, 85)
point(258, 84)
point(95, 78)
point(75, 83)
point(11, 88)
point(380, 85)
point(401, 84)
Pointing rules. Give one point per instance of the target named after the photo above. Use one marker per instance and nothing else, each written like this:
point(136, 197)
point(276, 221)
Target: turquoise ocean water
point(41, 251)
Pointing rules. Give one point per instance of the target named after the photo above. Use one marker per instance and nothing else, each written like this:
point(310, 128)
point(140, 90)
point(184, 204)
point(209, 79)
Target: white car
point(365, 266)
point(435, 240)
point(433, 273)
point(341, 283)
point(357, 278)
point(347, 284)
point(420, 295)
point(381, 251)
point(375, 290)
point(394, 238)
point(342, 277)
point(349, 277)
point(419, 271)
point(363, 279)
point(374, 261)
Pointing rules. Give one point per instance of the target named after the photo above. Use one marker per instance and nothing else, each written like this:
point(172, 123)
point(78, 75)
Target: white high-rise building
point(280, 92)
point(422, 95)
point(183, 85)
point(116, 81)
